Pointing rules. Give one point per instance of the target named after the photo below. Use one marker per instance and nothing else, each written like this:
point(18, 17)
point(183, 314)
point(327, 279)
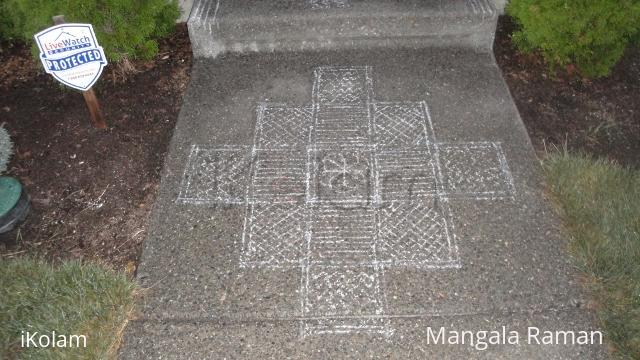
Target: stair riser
point(241, 26)
point(470, 33)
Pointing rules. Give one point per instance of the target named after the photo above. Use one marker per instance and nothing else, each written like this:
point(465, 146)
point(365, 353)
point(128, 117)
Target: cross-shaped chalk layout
point(343, 189)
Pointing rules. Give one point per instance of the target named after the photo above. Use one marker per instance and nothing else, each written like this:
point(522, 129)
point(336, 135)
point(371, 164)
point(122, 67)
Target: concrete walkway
point(350, 204)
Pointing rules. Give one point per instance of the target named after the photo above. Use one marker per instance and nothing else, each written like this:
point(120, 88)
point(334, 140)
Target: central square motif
point(341, 176)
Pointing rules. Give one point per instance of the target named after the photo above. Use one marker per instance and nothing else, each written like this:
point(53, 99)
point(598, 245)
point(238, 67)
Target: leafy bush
point(591, 34)
point(124, 28)
point(6, 149)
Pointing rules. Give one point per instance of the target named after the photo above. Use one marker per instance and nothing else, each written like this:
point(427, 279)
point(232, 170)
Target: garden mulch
point(599, 117)
point(92, 190)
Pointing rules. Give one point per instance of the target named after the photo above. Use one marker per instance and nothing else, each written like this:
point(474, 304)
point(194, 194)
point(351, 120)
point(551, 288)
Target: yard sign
point(70, 52)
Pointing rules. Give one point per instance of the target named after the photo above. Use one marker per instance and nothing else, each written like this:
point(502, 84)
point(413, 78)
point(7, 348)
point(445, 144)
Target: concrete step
point(219, 26)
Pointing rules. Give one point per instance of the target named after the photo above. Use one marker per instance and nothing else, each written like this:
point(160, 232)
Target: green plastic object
point(10, 190)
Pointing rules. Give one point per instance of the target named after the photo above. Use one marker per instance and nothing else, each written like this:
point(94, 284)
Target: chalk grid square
point(400, 125)
point(342, 86)
point(417, 233)
point(274, 235)
point(343, 291)
point(342, 235)
point(342, 127)
point(477, 170)
point(281, 126)
point(279, 176)
point(215, 175)
point(405, 175)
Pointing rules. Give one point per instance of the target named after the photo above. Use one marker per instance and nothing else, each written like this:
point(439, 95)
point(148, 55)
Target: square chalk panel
point(281, 126)
point(405, 175)
point(215, 175)
point(475, 170)
point(279, 176)
point(337, 86)
point(400, 125)
point(416, 234)
point(342, 235)
point(342, 291)
point(274, 235)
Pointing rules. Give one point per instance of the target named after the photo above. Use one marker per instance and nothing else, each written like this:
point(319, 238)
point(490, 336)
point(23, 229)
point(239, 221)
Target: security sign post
point(70, 52)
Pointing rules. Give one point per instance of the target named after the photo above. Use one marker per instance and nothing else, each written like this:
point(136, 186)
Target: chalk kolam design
point(343, 189)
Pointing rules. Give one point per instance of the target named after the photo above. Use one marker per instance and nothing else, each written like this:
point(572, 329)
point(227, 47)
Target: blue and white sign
point(70, 52)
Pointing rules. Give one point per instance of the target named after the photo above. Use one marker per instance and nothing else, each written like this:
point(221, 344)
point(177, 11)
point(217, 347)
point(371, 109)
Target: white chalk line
point(327, 4)
point(205, 14)
point(259, 114)
point(196, 13)
point(215, 14)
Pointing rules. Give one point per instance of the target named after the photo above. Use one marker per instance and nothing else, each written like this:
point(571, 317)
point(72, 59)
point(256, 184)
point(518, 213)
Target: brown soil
point(599, 117)
point(91, 190)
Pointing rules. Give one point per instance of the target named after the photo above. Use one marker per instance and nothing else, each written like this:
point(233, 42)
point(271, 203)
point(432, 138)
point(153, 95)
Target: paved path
point(345, 203)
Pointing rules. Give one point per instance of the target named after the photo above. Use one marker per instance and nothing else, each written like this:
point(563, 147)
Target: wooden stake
point(94, 109)
point(89, 95)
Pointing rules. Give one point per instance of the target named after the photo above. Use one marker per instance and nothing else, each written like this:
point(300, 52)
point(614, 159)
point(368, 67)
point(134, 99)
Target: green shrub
point(124, 28)
point(591, 34)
